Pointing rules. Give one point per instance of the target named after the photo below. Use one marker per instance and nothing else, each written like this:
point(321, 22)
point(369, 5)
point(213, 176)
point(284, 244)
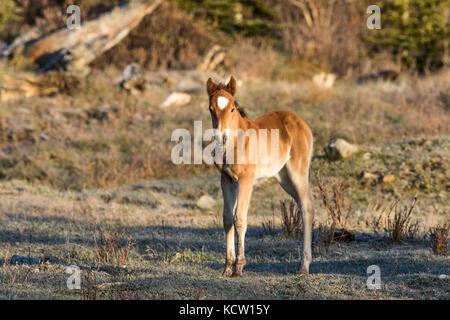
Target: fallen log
point(74, 49)
point(47, 84)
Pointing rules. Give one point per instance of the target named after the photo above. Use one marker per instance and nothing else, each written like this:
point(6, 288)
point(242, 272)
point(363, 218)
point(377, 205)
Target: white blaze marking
point(222, 102)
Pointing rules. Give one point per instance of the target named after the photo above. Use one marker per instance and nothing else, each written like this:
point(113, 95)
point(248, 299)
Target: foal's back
point(293, 131)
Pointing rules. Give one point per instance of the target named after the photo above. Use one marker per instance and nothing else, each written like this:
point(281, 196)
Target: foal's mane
point(240, 109)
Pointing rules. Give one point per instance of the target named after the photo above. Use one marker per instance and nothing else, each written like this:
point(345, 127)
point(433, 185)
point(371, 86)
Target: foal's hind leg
point(296, 184)
point(285, 182)
point(308, 217)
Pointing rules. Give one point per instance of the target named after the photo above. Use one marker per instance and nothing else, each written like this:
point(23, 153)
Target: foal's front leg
point(230, 193)
point(240, 223)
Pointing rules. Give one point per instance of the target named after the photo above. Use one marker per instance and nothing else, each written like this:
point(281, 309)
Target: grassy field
point(87, 180)
point(102, 136)
point(166, 247)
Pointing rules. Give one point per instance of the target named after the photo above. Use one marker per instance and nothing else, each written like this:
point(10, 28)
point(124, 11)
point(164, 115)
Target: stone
point(368, 175)
point(15, 259)
point(339, 148)
point(176, 99)
point(388, 178)
point(325, 80)
point(366, 156)
point(206, 202)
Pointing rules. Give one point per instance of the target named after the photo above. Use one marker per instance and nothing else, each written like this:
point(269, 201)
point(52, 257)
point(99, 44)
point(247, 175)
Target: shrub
point(9, 14)
point(169, 38)
point(415, 32)
point(326, 33)
point(439, 238)
point(244, 17)
point(109, 246)
point(332, 196)
point(399, 226)
point(291, 218)
point(334, 229)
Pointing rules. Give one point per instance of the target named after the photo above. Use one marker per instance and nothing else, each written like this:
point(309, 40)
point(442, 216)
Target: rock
point(15, 259)
point(426, 143)
point(368, 175)
point(132, 79)
point(43, 137)
point(344, 235)
point(388, 178)
point(135, 85)
point(206, 202)
point(176, 99)
point(401, 166)
point(386, 75)
point(339, 148)
point(366, 156)
point(325, 80)
point(131, 71)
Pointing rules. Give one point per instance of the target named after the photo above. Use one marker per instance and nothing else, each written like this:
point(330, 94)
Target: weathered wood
point(38, 85)
point(214, 57)
point(74, 49)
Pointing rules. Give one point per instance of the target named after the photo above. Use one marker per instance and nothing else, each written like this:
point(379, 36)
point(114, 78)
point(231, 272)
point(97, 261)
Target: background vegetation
point(324, 33)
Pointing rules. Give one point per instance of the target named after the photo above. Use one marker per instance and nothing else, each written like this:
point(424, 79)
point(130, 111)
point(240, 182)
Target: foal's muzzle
point(220, 138)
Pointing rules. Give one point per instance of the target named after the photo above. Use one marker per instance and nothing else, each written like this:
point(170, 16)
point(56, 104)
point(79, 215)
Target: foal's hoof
point(238, 272)
point(227, 273)
point(303, 270)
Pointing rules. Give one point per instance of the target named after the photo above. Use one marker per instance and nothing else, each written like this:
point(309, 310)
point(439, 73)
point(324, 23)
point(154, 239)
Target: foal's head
point(224, 110)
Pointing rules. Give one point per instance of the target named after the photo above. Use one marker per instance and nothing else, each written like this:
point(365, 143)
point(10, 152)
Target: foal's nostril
point(224, 138)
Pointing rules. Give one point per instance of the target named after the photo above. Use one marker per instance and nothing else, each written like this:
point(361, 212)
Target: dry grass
point(102, 137)
point(174, 258)
point(169, 38)
point(399, 226)
point(95, 289)
point(11, 275)
point(291, 218)
point(439, 238)
point(325, 33)
point(331, 192)
point(269, 226)
point(90, 287)
point(332, 195)
point(125, 295)
point(110, 247)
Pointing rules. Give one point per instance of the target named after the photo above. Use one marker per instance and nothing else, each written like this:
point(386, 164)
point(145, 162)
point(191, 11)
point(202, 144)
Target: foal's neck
point(244, 123)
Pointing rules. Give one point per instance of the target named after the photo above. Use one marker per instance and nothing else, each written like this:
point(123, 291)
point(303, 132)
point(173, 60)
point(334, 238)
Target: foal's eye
point(232, 110)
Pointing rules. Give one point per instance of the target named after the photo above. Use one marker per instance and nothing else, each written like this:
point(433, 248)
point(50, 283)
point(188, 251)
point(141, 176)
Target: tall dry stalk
point(439, 238)
point(399, 227)
point(291, 218)
point(332, 195)
point(109, 246)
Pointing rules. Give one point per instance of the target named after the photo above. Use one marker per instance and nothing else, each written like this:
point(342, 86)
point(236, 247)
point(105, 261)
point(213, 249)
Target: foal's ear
point(231, 86)
point(211, 87)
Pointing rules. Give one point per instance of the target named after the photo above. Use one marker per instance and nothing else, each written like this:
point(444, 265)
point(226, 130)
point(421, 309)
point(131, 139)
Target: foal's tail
point(311, 153)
